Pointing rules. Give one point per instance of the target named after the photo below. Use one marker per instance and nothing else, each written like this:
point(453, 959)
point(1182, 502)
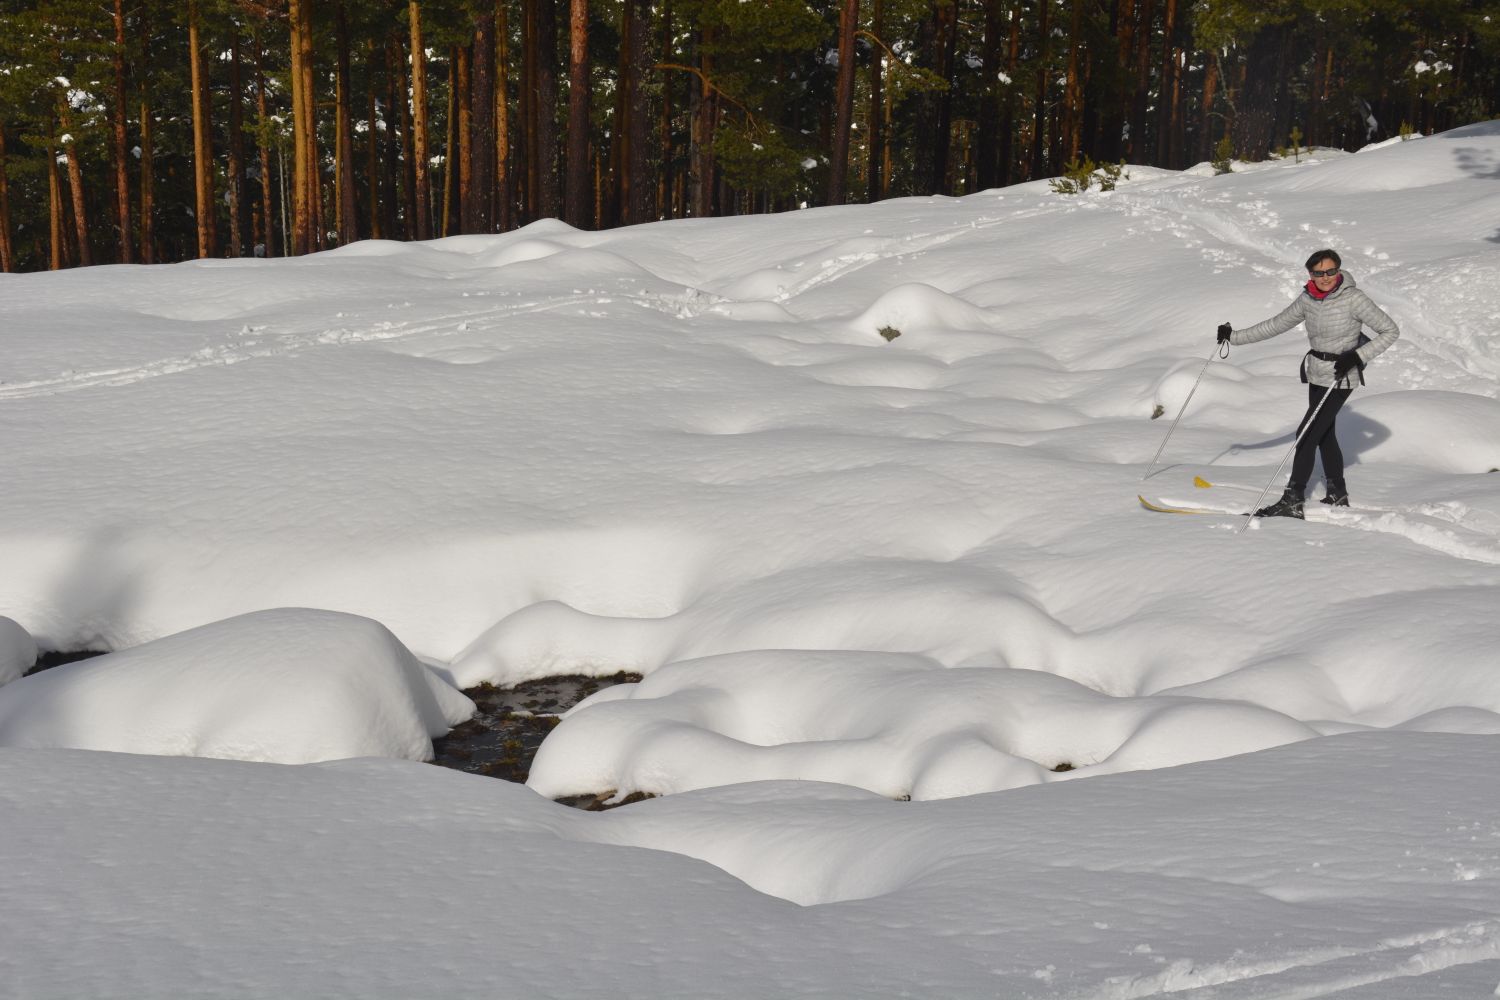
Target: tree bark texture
point(577, 209)
point(118, 116)
point(838, 174)
point(203, 177)
point(422, 181)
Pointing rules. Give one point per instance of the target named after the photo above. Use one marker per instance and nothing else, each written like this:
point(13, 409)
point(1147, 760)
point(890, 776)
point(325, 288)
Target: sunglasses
point(1324, 274)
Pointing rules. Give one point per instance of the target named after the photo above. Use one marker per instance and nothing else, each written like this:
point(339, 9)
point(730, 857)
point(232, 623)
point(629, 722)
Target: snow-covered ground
point(852, 570)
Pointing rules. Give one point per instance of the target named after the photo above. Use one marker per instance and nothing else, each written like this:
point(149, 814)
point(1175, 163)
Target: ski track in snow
point(1316, 974)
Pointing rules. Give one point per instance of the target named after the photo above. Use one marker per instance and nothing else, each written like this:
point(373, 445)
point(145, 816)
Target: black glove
point(1224, 332)
point(1346, 363)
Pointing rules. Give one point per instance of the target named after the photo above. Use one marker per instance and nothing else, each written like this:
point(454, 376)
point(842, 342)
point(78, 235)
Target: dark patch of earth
point(502, 738)
point(56, 658)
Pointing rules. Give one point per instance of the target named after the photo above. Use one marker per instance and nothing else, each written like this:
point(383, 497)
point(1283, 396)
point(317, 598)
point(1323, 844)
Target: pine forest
point(142, 131)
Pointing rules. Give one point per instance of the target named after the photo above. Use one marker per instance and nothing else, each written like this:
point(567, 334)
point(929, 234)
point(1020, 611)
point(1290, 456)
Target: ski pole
point(1222, 351)
point(1277, 474)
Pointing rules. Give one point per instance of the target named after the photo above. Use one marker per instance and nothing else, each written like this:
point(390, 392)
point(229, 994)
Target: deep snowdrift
point(913, 566)
point(290, 686)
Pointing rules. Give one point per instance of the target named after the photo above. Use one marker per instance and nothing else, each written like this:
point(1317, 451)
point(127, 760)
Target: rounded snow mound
point(1444, 431)
point(918, 308)
point(17, 650)
point(518, 252)
point(895, 724)
point(288, 686)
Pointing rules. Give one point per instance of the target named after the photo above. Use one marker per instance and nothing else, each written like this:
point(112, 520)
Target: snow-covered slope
point(912, 566)
point(1362, 866)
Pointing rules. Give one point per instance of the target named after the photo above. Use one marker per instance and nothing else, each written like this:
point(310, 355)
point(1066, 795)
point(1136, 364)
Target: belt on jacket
point(1332, 356)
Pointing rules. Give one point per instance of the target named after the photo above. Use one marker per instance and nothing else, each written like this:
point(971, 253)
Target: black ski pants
point(1320, 439)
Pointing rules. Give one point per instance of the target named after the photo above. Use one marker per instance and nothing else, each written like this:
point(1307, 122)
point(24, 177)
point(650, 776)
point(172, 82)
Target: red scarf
point(1312, 288)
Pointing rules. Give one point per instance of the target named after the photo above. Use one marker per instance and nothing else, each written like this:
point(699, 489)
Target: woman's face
point(1325, 274)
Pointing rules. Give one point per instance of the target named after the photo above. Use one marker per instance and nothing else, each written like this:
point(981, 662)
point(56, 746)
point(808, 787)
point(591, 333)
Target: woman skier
point(1333, 309)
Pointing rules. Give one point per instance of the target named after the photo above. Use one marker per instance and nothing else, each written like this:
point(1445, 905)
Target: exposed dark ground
point(501, 739)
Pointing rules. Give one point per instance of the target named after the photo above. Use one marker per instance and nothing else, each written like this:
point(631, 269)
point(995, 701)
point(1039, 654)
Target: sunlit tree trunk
point(450, 142)
point(304, 188)
point(263, 142)
point(203, 178)
point(75, 185)
point(236, 177)
point(504, 177)
point(373, 161)
point(118, 114)
point(460, 101)
point(638, 199)
point(1073, 93)
point(576, 209)
point(56, 230)
point(423, 193)
point(346, 214)
point(838, 175)
point(482, 124)
point(878, 179)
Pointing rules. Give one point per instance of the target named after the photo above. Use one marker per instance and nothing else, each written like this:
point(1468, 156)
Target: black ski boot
point(1338, 495)
point(1290, 505)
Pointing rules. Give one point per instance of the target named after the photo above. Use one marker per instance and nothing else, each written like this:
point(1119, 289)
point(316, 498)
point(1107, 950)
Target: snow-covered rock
point(17, 650)
point(287, 686)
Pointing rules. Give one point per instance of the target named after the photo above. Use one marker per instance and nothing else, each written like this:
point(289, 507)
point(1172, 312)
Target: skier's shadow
point(1357, 434)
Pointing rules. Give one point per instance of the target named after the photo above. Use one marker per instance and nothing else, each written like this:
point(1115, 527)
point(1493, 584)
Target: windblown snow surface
point(1144, 754)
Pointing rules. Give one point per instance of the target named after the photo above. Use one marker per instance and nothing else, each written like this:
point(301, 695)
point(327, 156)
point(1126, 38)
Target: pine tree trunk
point(504, 176)
point(1116, 109)
point(1039, 130)
point(396, 57)
point(576, 211)
point(1166, 155)
point(461, 101)
point(704, 118)
point(838, 176)
point(549, 201)
point(876, 184)
point(423, 188)
point(346, 215)
point(989, 98)
point(118, 115)
point(450, 141)
point(148, 185)
point(302, 207)
point(263, 144)
point(482, 123)
point(664, 128)
point(529, 156)
point(373, 172)
point(75, 186)
point(7, 249)
point(1008, 122)
point(1140, 150)
point(203, 178)
point(1073, 94)
point(56, 230)
point(637, 161)
point(236, 177)
point(1210, 91)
